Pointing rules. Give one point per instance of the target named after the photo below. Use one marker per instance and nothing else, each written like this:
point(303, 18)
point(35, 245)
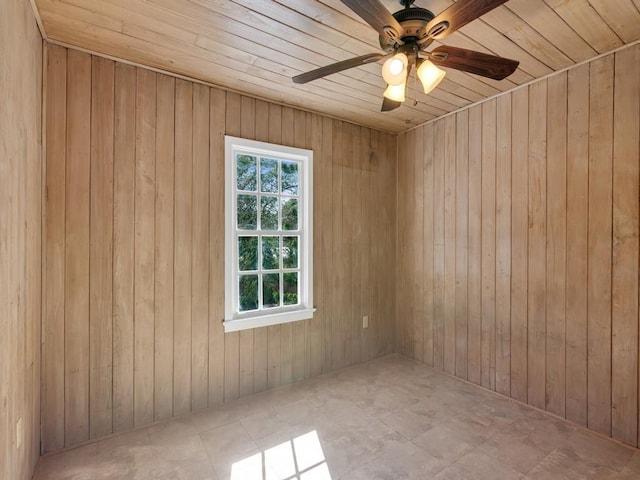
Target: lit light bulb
point(396, 66)
point(394, 70)
point(430, 75)
point(396, 92)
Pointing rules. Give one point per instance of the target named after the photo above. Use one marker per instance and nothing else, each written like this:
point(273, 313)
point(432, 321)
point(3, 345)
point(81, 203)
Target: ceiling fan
point(405, 36)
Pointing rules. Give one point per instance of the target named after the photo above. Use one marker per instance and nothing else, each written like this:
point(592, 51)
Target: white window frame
point(234, 320)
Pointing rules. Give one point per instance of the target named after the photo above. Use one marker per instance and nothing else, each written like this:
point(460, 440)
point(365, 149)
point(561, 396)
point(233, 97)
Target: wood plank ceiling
point(256, 46)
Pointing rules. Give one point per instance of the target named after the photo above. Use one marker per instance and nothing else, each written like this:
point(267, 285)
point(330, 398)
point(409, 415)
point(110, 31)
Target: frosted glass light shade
point(430, 75)
point(394, 70)
point(396, 92)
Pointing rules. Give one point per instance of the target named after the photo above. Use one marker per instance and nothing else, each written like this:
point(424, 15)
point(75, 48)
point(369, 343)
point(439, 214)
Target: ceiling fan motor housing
point(413, 21)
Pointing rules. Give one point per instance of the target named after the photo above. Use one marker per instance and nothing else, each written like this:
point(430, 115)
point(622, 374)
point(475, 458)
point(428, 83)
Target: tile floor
point(387, 419)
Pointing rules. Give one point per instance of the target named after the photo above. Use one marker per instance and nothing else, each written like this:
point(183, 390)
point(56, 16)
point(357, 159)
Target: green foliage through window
point(246, 173)
point(270, 253)
point(267, 205)
point(247, 212)
point(247, 253)
point(248, 292)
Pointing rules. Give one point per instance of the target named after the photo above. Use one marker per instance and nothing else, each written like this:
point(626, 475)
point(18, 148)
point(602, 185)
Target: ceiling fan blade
point(473, 62)
point(388, 105)
point(458, 15)
point(375, 14)
point(337, 67)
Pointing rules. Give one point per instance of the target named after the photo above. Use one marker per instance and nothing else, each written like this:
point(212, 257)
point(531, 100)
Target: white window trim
point(233, 320)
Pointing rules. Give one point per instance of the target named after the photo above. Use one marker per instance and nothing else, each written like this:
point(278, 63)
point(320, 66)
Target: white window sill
point(238, 324)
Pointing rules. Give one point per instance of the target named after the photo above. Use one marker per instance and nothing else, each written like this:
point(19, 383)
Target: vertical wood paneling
point(361, 265)
point(450, 245)
point(144, 246)
point(556, 243)
point(503, 245)
point(217, 115)
point(323, 197)
point(76, 339)
point(624, 282)
point(474, 291)
point(417, 256)
point(163, 275)
point(536, 255)
point(402, 268)
point(404, 292)
point(519, 242)
point(387, 170)
point(551, 177)
point(200, 250)
point(488, 236)
point(101, 248)
point(367, 139)
point(577, 221)
point(358, 244)
point(23, 260)
point(462, 239)
point(123, 246)
point(183, 248)
point(54, 247)
point(349, 196)
point(426, 133)
point(33, 112)
point(407, 239)
point(599, 245)
point(438, 245)
point(337, 346)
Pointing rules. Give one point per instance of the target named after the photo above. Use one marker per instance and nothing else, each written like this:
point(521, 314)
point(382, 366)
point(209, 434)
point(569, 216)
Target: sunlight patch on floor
point(301, 458)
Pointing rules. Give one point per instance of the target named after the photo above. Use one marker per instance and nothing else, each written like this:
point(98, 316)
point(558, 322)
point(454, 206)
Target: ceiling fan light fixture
point(394, 70)
point(430, 75)
point(396, 92)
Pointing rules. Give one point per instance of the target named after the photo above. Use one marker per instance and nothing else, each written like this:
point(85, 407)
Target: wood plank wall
point(20, 238)
point(518, 244)
point(135, 249)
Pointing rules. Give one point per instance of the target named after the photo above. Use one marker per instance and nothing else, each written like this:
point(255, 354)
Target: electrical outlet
point(365, 322)
point(19, 433)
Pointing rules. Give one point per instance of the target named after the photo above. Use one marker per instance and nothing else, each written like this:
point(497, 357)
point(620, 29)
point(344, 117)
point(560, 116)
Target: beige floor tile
point(228, 447)
point(172, 430)
point(516, 450)
point(410, 423)
point(477, 465)
point(632, 469)
point(446, 442)
point(260, 425)
point(544, 431)
point(398, 460)
point(131, 463)
point(563, 464)
point(75, 464)
point(205, 420)
point(598, 450)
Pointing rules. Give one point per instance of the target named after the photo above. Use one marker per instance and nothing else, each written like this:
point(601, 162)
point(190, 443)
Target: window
point(269, 236)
